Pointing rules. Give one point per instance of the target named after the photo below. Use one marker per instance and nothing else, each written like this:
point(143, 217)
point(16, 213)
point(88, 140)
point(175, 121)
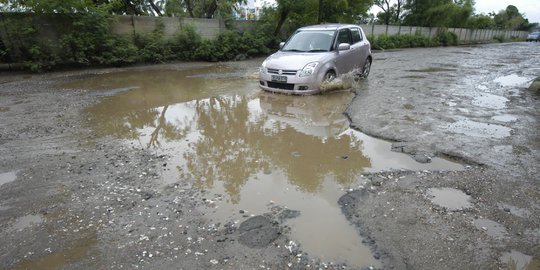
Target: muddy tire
point(366, 69)
point(329, 76)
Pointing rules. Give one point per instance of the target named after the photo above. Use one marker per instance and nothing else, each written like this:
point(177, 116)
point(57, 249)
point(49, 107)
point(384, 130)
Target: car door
point(342, 62)
point(360, 48)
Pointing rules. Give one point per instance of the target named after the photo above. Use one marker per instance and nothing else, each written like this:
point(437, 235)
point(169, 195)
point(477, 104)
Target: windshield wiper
point(318, 50)
point(293, 50)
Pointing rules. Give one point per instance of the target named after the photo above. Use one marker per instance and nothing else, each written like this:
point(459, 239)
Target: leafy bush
point(383, 42)
point(154, 47)
point(118, 50)
point(23, 46)
point(183, 43)
point(446, 38)
point(231, 45)
point(499, 38)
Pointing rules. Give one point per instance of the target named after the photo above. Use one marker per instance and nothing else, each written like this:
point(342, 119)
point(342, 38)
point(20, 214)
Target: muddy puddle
point(7, 177)
point(516, 260)
point(490, 101)
point(26, 222)
point(513, 80)
point(251, 151)
point(478, 129)
point(62, 258)
point(450, 198)
point(490, 227)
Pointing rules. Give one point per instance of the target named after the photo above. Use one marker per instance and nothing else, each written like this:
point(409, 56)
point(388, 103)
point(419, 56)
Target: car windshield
point(310, 41)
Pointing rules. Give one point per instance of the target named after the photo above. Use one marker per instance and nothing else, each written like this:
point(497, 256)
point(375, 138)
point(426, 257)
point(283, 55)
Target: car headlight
point(262, 68)
point(308, 69)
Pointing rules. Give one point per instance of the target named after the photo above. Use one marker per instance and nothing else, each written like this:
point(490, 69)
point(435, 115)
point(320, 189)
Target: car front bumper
point(294, 85)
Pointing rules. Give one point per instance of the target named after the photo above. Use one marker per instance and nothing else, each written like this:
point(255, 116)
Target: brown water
point(252, 150)
point(516, 260)
point(62, 258)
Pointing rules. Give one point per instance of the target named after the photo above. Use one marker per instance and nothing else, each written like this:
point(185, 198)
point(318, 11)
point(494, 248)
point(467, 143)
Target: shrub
point(231, 45)
point(119, 50)
point(446, 38)
point(153, 47)
point(183, 43)
point(499, 38)
point(383, 42)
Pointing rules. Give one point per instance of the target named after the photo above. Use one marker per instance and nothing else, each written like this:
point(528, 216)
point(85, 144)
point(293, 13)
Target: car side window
point(344, 36)
point(356, 35)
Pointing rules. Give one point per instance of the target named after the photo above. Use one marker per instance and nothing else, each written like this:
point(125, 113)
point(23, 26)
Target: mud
point(192, 166)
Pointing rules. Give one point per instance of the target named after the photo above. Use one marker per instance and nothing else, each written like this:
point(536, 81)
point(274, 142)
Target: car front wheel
point(329, 76)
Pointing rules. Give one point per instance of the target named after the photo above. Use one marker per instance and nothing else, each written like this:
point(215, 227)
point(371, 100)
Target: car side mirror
point(281, 44)
point(344, 46)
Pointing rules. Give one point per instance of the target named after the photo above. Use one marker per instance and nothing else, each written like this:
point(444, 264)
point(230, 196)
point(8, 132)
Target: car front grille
point(284, 86)
point(283, 71)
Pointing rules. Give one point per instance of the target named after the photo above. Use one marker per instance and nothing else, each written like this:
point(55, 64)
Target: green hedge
point(90, 42)
point(385, 42)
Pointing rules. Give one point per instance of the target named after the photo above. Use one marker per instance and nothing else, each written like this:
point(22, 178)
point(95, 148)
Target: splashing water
point(346, 81)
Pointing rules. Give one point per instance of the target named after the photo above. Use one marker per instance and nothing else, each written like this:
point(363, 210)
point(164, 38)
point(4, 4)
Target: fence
point(465, 36)
point(50, 29)
point(206, 28)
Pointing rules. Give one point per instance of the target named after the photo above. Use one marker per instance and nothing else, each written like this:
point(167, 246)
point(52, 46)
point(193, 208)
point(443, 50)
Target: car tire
point(366, 69)
point(329, 76)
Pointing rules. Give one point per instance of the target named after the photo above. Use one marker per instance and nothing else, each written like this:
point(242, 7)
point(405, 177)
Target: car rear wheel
point(366, 69)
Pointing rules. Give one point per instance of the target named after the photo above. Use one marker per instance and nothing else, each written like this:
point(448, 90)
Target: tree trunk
point(189, 8)
point(210, 10)
point(319, 19)
point(282, 17)
point(398, 11)
point(128, 5)
point(155, 8)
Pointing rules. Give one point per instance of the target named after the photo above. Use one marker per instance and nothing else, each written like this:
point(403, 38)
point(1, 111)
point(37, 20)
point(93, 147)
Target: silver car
point(534, 36)
point(315, 54)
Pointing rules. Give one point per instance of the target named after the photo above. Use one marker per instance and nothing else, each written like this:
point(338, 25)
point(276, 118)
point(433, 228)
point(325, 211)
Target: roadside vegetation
point(88, 39)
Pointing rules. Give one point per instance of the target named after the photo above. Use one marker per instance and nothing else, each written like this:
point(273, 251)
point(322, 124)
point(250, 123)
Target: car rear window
point(356, 35)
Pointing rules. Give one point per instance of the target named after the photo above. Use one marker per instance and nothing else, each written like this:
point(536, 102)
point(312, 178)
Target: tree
point(481, 22)
point(342, 11)
point(511, 19)
point(391, 13)
point(440, 13)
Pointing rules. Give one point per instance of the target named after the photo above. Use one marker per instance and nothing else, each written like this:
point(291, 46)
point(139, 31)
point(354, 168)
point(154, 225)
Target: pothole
point(492, 228)
point(505, 118)
point(7, 177)
point(253, 151)
point(516, 260)
point(490, 101)
point(513, 80)
point(450, 198)
point(479, 129)
point(26, 222)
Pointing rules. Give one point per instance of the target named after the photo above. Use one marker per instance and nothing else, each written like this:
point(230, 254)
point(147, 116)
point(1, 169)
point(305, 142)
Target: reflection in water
point(63, 258)
point(255, 147)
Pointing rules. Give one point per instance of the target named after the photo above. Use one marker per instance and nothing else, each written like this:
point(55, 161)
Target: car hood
point(295, 60)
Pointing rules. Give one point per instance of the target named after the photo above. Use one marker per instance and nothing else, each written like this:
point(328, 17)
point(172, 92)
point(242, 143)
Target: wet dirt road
point(191, 166)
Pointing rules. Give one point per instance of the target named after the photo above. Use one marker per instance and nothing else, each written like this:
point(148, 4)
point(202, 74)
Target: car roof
point(335, 26)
